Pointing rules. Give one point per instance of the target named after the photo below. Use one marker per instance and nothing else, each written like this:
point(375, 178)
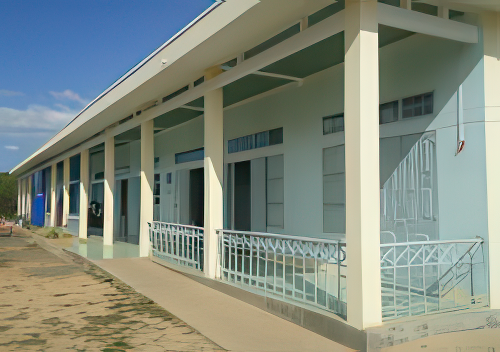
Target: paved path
point(232, 324)
point(52, 301)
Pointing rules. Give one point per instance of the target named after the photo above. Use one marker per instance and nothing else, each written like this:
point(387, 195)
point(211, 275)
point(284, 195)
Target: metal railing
point(178, 244)
point(300, 269)
point(432, 276)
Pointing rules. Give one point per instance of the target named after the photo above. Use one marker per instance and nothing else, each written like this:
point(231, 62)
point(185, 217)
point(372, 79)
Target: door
point(196, 197)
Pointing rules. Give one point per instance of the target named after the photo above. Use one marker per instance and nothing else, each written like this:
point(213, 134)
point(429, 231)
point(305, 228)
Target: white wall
point(415, 65)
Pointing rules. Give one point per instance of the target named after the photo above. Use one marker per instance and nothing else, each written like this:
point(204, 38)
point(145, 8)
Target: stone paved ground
point(52, 302)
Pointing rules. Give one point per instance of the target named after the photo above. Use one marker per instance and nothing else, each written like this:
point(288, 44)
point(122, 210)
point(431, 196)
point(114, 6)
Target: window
point(156, 198)
point(74, 197)
point(257, 140)
point(174, 94)
point(418, 105)
point(255, 195)
point(74, 184)
point(389, 112)
point(275, 192)
point(334, 189)
point(48, 187)
point(332, 124)
point(192, 155)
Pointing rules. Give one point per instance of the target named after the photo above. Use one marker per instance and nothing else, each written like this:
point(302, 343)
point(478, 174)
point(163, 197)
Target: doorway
point(242, 196)
point(123, 233)
point(196, 197)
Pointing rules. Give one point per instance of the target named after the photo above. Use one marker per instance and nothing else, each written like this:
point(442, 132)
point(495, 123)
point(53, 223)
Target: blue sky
point(57, 55)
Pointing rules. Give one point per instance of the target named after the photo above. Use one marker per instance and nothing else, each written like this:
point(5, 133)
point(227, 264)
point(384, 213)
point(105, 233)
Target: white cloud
point(62, 107)
point(10, 93)
point(12, 147)
point(35, 118)
point(68, 95)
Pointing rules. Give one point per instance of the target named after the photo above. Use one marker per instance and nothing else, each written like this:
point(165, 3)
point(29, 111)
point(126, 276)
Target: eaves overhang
point(223, 31)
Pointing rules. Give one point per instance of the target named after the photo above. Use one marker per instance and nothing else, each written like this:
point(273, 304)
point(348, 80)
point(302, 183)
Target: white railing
point(298, 269)
point(178, 244)
point(432, 276)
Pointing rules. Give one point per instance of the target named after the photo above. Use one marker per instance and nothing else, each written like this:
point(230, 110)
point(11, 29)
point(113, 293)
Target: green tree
point(8, 195)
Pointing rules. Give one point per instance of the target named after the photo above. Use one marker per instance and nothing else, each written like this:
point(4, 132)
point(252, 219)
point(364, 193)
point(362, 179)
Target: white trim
point(195, 108)
point(277, 75)
point(426, 24)
point(246, 155)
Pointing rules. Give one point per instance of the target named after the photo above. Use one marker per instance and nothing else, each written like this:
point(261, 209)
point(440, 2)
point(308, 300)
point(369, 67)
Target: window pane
point(257, 140)
point(74, 168)
point(276, 136)
point(388, 112)
point(332, 124)
point(74, 198)
point(192, 155)
point(418, 105)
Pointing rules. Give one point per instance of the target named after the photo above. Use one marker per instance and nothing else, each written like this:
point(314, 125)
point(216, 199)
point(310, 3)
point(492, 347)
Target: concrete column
point(444, 12)
point(65, 192)
point(147, 183)
point(405, 4)
point(53, 178)
point(28, 197)
point(109, 188)
point(491, 38)
point(84, 194)
point(214, 173)
point(364, 303)
point(19, 197)
point(23, 197)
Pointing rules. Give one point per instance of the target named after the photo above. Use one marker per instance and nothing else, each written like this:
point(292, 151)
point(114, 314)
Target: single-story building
point(335, 156)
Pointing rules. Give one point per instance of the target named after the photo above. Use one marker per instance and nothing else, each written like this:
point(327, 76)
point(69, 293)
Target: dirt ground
point(52, 301)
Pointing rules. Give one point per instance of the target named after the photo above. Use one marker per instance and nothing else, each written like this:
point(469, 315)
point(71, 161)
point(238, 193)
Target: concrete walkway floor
point(230, 323)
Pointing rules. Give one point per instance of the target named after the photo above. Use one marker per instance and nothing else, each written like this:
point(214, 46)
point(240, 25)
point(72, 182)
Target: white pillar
point(53, 178)
point(147, 183)
point(364, 304)
point(65, 192)
point(214, 173)
point(109, 188)
point(444, 12)
point(405, 4)
point(19, 197)
point(28, 197)
point(23, 197)
point(84, 194)
point(491, 38)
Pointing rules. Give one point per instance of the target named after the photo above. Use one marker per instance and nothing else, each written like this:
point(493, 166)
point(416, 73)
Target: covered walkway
point(229, 322)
